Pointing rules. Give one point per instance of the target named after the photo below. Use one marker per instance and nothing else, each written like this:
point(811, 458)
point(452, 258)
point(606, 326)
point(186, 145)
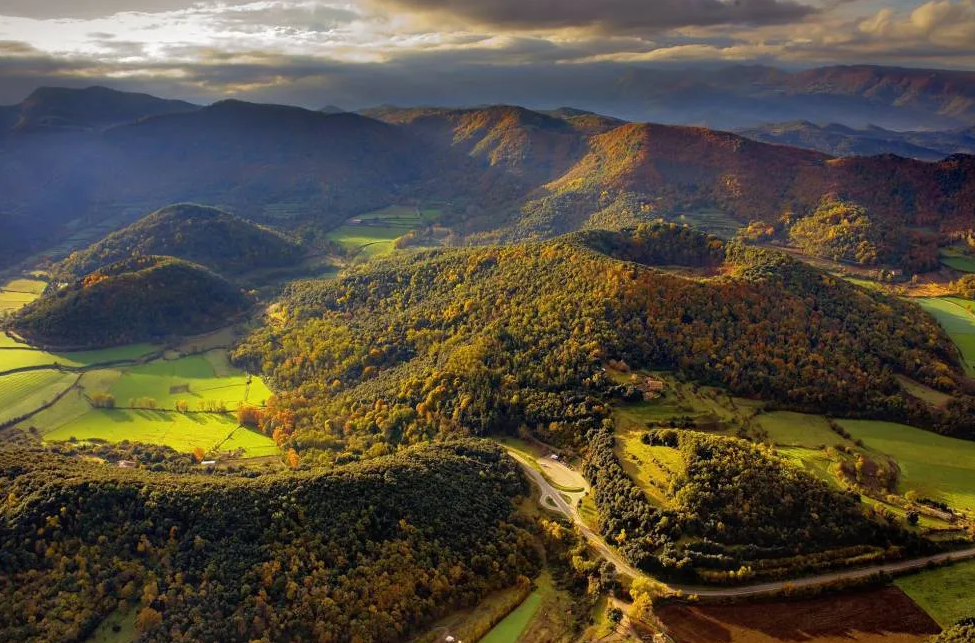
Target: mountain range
point(840, 140)
point(500, 172)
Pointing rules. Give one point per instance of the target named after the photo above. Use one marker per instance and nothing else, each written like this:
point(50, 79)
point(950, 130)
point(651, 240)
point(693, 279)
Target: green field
point(373, 233)
point(124, 619)
point(22, 393)
point(945, 593)
point(17, 293)
point(254, 444)
point(192, 379)
point(797, 429)
point(935, 466)
point(183, 432)
point(509, 630)
point(957, 260)
point(956, 318)
point(14, 358)
point(651, 467)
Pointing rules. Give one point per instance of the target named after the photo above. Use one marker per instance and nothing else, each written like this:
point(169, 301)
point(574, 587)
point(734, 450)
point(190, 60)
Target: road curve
point(596, 542)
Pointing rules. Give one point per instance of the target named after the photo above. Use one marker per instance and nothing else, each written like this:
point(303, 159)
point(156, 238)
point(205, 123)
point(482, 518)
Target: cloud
point(87, 8)
point(608, 16)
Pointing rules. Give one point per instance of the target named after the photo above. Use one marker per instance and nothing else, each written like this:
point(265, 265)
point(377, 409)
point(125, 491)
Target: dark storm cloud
point(610, 15)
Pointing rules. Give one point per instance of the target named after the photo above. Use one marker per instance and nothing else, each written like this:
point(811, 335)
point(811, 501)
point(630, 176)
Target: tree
point(148, 619)
point(199, 454)
point(293, 459)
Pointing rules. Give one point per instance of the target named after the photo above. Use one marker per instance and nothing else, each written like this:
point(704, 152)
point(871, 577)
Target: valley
point(494, 374)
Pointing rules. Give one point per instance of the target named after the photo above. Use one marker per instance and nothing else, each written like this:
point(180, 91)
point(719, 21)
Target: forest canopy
point(368, 552)
point(139, 299)
point(484, 340)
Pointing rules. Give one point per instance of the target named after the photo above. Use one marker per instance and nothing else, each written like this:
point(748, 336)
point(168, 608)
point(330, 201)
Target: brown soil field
point(884, 615)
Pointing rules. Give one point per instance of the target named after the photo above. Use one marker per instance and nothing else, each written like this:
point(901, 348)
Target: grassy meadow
point(191, 379)
point(957, 260)
point(181, 431)
point(17, 293)
point(944, 593)
point(955, 316)
point(509, 630)
point(935, 466)
point(131, 374)
point(22, 393)
point(372, 234)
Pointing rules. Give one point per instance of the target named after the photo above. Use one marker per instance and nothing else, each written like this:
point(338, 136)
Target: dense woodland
point(202, 235)
point(737, 512)
point(139, 299)
point(485, 340)
point(363, 553)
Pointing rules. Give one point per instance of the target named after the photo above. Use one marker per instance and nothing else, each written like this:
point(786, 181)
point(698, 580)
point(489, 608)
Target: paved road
point(596, 542)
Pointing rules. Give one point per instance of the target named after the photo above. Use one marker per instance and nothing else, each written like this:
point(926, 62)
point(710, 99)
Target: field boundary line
point(57, 398)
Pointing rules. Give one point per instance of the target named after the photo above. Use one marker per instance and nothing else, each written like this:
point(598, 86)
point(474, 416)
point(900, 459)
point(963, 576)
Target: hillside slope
point(484, 340)
point(139, 299)
point(367, 552)
point(207, 236)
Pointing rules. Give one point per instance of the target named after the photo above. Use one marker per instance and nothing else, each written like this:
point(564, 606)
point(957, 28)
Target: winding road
point(551, 498)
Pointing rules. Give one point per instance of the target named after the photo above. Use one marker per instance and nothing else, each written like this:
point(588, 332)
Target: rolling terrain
point(282, 440)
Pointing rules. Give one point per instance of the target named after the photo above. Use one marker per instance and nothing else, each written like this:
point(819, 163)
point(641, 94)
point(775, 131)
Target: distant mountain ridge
point(840, 140)
point(60, 108)
point(500, 173)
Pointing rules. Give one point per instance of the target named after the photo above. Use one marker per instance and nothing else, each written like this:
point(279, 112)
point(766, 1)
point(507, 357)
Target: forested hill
point(207, 236)
point(139, 299)
point(488, 339)
point(367, 552)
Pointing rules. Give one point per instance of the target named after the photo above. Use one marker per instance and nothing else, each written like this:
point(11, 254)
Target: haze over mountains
point(72, 158)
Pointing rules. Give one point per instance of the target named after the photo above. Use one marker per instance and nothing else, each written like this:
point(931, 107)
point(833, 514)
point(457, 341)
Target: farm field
point(15, 355)
point(183, 432)
point(877, 616)
point(254, 444)
point(935, 466)
point(17, 293)
point(945, 593)
point(957, 260)
point(22, 393)
point(192, 379)
point(786, 428)
point(956, 318)
point(373, 233)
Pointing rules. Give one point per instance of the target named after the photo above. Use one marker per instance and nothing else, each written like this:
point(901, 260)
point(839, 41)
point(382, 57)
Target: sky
point(366, 52)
